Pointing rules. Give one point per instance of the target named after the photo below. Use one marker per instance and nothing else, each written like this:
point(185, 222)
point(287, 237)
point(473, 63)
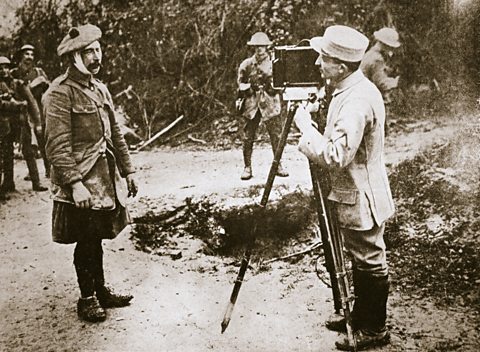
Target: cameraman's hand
point(21, 105)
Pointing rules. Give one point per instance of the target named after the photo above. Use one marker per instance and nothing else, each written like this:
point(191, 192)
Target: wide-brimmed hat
point(78, 38)
point(259, 39)
point(341, 42)
point(4, 60)
point(388, 36)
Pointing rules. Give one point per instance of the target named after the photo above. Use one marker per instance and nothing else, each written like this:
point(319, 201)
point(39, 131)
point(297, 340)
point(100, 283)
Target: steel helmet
point(388, 36)
point(4, 60)
point(259, 39)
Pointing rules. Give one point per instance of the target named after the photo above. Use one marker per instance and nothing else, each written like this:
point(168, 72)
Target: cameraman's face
point(330, 68)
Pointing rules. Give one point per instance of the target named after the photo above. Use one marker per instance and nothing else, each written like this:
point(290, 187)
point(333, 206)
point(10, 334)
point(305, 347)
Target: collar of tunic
point(349, 82)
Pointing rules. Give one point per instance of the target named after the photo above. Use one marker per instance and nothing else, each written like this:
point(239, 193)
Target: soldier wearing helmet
point(17, 103)
point(38, 82)
point(261, 101)
point(89, 166)
point(374, 64)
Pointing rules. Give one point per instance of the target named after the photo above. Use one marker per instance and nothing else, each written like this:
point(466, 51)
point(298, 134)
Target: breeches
point(367, 249)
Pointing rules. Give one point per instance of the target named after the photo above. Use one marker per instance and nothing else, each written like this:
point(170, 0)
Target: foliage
point(181, 56)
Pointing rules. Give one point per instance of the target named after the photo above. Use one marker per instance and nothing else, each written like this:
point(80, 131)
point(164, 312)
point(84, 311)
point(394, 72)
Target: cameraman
point(260, 100)
point(351, 149)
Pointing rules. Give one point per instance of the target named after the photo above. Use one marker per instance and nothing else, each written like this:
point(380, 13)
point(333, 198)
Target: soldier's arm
point(243, 76)
point(120, 146)
point(58, 132)
point(380, 77)
point(34, 111)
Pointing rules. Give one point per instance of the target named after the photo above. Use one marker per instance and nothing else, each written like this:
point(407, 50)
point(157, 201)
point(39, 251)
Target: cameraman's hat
point(78, 38)
point(341, 42)
point(259, 39)
point(387, 36)
point(4, 60)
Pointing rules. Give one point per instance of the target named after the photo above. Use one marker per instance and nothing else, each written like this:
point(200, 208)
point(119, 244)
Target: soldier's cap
point(78, 38)
point(4, 60)
point(27, 47)
point(341, 42)
point(259, 39)
point(388, 36)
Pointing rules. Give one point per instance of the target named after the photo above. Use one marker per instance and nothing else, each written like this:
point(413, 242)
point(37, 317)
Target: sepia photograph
point(240, 175)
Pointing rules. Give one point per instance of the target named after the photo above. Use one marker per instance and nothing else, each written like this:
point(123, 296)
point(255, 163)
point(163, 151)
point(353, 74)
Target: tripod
point(332, 239)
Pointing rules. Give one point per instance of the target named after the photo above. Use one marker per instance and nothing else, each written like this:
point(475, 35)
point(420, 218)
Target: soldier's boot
point(109, 299)
point(89, 309)
point(105, 295)
point(281, 172)
point(35, 178)
point(373, 331)
point(247, 159)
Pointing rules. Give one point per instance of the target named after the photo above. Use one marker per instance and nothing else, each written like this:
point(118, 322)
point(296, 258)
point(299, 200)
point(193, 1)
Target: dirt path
point(179, 304)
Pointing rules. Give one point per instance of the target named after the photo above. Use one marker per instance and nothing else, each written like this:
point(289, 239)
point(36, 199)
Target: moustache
point(94, 66)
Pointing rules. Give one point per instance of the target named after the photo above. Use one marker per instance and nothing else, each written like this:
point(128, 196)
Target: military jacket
point(83, 140)
point(376, 70)
point(260, 96)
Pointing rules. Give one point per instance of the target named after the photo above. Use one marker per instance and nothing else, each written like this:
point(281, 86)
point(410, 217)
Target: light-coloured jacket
point(84, 142)
point(265, 99)
point(352, 150)
point(376, 70)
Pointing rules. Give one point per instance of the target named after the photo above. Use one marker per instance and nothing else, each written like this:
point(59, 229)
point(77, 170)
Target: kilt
point(70, 224)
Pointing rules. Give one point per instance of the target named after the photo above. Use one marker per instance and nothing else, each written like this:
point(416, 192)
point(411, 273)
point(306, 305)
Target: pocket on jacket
point(353, 209)
point(86, 123)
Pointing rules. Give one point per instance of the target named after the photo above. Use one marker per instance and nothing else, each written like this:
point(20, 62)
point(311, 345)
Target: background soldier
point(89, 157)
point(374, 64)
point(16, 90)
point(351, 148)
point(261, 101)
point(10, 110)
point(38, 82)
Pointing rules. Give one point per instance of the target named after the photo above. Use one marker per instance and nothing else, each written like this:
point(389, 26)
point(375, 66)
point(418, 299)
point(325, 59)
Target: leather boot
point(109, 299)
point(89, 309)
point(372, 329)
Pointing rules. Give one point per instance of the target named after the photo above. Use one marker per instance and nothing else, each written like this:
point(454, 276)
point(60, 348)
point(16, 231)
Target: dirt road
point(179, 304)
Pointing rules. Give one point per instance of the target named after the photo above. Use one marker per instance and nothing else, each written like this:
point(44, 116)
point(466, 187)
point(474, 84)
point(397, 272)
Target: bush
point(181, 56)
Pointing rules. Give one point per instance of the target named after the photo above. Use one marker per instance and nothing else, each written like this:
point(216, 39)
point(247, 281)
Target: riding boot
point(274, 132)
point(372, 331)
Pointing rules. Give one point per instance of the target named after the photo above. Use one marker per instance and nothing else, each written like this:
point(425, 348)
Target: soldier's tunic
point(261, 97)
point(84, 143)
point(376, 70)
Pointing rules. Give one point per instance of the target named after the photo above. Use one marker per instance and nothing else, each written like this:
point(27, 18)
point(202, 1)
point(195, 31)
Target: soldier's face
point(260, 50)
point(28, 56)
point(92, 57)
point(4, 71)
